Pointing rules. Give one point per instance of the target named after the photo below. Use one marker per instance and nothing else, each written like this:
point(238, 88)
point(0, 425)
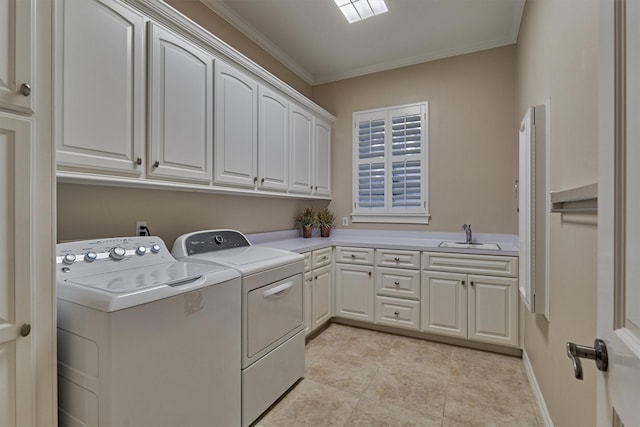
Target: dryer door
point(274, 313)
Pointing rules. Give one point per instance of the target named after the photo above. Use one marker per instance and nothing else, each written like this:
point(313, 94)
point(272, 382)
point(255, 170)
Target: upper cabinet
point(180, 108)
point(16, 47)
point(236, 147)
point(301, 140)
point(273, 140)
point(100, 87)
point(322, 158)
point(145, 98)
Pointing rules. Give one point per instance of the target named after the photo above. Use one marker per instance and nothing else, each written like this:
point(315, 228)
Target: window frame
point(388, 213)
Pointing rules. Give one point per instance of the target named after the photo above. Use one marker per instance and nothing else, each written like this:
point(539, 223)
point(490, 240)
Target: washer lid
point(249, 259)
point(117, 290)
point(137, 279)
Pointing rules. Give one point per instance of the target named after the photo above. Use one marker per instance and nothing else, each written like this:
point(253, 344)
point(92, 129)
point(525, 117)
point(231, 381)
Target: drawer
point(307, 261)
point(320, 258)
point(397, 258)
point(362, 256)
point(398, 312)
point(473, 264)
point(398, 282)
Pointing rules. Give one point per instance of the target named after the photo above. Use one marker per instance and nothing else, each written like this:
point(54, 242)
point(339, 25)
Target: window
point(390, 166)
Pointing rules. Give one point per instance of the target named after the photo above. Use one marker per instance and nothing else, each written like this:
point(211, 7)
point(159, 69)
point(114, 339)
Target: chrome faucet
point(467, 230)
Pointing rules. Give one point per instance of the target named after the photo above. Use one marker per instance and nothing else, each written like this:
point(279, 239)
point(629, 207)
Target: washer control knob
point(218, 239)
point(155, 248)
point(141, 250)
point(69, 259)
point(117, 253)
point(90, 256)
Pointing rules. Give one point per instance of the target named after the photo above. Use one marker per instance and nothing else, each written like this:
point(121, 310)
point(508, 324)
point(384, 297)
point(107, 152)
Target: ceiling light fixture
point(357, 10)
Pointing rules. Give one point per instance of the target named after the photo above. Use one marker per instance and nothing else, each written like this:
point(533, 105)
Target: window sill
point(392, 219)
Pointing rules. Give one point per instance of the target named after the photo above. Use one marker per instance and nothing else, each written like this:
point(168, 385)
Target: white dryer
point(272, 311)
point(145, 340)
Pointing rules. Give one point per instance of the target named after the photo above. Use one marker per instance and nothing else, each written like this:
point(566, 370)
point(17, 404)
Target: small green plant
point(326, 218)
point(306, 218)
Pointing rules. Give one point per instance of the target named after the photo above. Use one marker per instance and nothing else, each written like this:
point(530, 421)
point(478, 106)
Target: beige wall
point(557, 59)
point(207, 19)
point(87, 211)
point(472, 136)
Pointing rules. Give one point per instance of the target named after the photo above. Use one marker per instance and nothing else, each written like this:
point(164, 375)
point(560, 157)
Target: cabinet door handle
point(464, 283)
point(471, 283)
point(25, 89)
point(156, 164)
point(138, 161)
point(369, 274)
point(262, 181)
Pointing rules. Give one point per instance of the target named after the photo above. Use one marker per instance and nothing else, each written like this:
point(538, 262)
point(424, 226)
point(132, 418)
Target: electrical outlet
point(345, 221)
point(141, 228)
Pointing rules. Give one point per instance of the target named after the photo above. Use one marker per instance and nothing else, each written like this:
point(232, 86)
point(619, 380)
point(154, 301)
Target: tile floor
point(358, 377)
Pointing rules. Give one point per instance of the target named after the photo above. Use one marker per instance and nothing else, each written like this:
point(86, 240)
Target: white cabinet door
point(355, 292)
point(308, 298)
point(236, 127)
point(100, 87)
point(17, 372)
point(322, 158)
point(301, 145)
point(273, 141)
point(180, 108)
point(322, 296)
point(493, 309)
point(444, 303)
point(15, 54)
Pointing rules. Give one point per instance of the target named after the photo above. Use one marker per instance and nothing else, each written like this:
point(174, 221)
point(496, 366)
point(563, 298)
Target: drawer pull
point(396, 313)
point(324, 257)
point(353, 256)
point(396, 283)
point(396, 259)
point(277, 291)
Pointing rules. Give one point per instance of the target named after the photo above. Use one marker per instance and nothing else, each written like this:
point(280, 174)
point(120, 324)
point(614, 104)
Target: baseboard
point(537, 393)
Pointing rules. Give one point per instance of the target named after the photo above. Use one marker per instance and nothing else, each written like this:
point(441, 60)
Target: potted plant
point(307, 220)
point(326, 218)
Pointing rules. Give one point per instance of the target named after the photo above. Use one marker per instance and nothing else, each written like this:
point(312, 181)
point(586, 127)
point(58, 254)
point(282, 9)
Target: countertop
point(292, 240)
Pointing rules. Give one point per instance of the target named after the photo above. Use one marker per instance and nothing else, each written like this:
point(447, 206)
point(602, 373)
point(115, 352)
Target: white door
point(15, 54)
point(273, 140)
point(301, 139)
point(444, 303)
point(100, 72)
point(180, 108)
point(493, 309)
point(322, 158)
point(16, 369)
point(618, 390)
point(236, 127)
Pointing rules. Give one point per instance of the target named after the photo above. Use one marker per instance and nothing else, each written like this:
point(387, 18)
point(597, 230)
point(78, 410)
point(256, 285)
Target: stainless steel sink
point(463, 245)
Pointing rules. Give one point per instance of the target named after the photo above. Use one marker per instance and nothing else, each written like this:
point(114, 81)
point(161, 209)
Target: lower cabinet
point(354, 283)
point(473, 306)
point(354, 292)
point(318, 289)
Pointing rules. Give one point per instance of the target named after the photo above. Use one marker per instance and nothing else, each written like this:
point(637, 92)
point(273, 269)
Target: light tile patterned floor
point(358, 377)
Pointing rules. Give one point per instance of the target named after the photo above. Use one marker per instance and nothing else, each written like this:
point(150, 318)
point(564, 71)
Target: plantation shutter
point(371, 132)
point(406, 147)
point(390, 164)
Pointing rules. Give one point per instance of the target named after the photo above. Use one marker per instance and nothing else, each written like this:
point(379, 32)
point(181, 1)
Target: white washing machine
point(272, 312)
point(145, 340)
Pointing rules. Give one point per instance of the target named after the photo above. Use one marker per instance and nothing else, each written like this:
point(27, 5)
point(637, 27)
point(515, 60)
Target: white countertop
point(292, 240)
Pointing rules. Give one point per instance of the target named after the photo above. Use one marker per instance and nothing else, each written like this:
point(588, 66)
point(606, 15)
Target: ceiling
point(314, 40)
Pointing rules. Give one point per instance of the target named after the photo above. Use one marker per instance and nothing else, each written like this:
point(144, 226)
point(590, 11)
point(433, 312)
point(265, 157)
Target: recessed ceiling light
point(357, 10)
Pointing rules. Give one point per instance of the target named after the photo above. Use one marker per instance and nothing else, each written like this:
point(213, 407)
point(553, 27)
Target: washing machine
point(272, 311)
point(145, 340)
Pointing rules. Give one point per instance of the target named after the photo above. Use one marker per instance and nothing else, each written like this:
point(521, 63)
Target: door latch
point(598, 353)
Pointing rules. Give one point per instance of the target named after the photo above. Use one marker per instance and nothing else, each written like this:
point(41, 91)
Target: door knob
point(598, 353)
